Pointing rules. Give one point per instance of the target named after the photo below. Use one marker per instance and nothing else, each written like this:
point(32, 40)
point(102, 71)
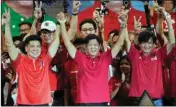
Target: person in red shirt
point(93, 74)
point(147, 64)
point(32, 68)
point(71, 74)
point(119, 87)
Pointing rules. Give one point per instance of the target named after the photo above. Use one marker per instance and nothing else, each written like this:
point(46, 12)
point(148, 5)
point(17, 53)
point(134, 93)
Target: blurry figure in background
point(168, 5)
point(25, 27)
point(171, 100)
point(12, 96)
point(120, 84)
point(87, 26)
point(71, 75)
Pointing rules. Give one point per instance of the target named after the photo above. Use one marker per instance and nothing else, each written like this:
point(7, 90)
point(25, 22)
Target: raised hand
point(137, 23)
point(155, 4)
point(6, 17)
point(123, 16)
point(76, 5)
point(61, 18)
point(38, 10)
point(98, 18)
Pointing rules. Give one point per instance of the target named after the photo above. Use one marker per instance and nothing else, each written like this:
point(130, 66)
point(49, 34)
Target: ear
point(26, 48)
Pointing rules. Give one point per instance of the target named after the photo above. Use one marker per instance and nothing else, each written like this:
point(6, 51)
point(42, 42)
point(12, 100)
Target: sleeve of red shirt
point(132, 52)
point(79, 58)
point(163, 53)
point(16, 62)
point(108, 55)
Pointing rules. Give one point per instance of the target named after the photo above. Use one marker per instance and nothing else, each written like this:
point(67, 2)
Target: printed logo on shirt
point(41, 64)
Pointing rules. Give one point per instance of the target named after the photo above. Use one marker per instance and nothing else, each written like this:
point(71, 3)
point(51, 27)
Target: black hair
point(118, 73)
point(25, 23)
point(92, 36)
point(32, 38)
point(144, 36)
point(79, 41)
point(17, 38)
point(115, 31)
point(88, 21)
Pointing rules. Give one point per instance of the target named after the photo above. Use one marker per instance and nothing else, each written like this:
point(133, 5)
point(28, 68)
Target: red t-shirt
point(172, 67)
point(33, 79)
point(71, 78)
point(93, 77)
point(113, 84)
point(52, 75)
point(146, 73)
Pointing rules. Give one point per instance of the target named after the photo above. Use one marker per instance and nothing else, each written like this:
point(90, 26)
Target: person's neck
point(25, 11)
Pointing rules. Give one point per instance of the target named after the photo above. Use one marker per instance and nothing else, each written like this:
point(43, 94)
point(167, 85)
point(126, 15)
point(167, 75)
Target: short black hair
point(79, 41)
point(92, 36)
point(25, 23)
point(115, 31)
point(91, 21)
point(32, 38)
point(144, 36)
point(17, 38)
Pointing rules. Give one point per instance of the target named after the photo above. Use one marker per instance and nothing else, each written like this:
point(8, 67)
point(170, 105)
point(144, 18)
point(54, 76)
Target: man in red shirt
point(93, 74)
point(147, 64)
point(32, 68)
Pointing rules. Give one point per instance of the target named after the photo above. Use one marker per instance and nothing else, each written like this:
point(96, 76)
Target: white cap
point(48, 25)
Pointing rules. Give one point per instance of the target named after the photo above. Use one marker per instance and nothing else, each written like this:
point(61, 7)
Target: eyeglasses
point(23, 30)
point(90, 29)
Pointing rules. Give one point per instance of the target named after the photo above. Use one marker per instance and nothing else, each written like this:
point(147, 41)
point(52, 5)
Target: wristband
point(74, 14)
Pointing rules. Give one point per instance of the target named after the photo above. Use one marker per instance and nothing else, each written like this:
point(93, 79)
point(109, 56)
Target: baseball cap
point(48, 25)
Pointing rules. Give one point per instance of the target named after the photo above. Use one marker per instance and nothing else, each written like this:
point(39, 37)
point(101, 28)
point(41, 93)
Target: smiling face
point(147, 47)
point(93, 48)
point(125, 66)
point(33, 49)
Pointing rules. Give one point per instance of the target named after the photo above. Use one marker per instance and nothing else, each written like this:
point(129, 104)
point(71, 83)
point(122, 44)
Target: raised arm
point(37, 15)
point(55, 44)
point(99, 19)
point(123, 17)
point(74, 20)
point(171, 42)
point(159, 25)
point(12, 50)
point(70, 47)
